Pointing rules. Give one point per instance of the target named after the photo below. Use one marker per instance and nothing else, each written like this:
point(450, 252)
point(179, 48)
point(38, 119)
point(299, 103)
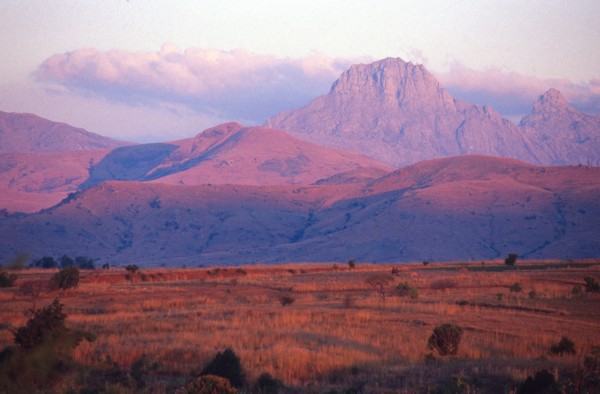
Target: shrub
point(564, 346)
point(227, 365)
point(45, 262)
point(406, 290)
point(379, 283)
point(6, 279)
point(266, 384)
point(208, 384)
point(443, 284)
point(425, 263)
point(67, 278)
point(132, 268)
point(542, 381)
point(591, 285)
point(351, 264)
point(511, 259)
point(515, 287)
point(576, 290)
point(445, 339)
point(286, 300)
point(141, 368)
point(533, 294)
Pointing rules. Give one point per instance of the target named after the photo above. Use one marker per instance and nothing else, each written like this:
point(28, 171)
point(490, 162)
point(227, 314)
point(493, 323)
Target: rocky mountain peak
point(551, 100)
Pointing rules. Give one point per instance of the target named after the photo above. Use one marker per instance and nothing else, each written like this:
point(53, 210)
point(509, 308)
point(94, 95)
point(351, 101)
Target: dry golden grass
point(338, 330)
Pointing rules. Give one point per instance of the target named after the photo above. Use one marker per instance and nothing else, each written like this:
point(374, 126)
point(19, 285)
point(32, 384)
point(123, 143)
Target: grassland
point(344, 330)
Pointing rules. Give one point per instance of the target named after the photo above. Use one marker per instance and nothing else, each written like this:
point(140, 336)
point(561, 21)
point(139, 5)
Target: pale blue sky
point(543, 40)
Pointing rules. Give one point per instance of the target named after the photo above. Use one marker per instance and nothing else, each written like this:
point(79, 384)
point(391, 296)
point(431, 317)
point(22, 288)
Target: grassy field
point(326, 327)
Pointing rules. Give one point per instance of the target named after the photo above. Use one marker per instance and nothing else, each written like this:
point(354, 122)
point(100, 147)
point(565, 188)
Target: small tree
point(132, 268)
point(35, 288)
point(227, 365)
point(591, 285)
point(67, 278)
point(208, 384)
point(406, 290)
point(445, 339)
point(6, 279)
point(564, 346)
point(351, 264)
point(379, 283)
point(511, 259)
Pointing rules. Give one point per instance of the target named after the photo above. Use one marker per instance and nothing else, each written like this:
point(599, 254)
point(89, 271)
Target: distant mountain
point(398, 113)
point(567, 135)
point(229, 153)
point(225, 154)
point(30, 133)
point(469, 207)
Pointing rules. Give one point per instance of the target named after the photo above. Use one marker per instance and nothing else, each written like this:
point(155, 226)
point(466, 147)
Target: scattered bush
point(35, 288)
point(533, 294)
point(6, 279)
point(208, 384)
point(286, 300)
point(564, 346)
point(266, 384)
point(379, 283)
point(395, 271)
point(445, 339)
point(592, 361)
point(425, 263)
point(591, 285)
point(67, 278)
point(406, 290)
point(542, 381)
point(511, 259)
point(351, 264)
point(132, 268)
point(515, 287)
point(227, 365)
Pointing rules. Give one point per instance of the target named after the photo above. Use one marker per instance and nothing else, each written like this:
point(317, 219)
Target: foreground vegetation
point(317, 328)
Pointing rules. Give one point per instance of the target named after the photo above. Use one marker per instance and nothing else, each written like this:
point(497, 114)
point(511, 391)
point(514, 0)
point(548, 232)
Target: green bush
point(6, 279)
point(564, 346)
point(515, 287)
point(266, 384)
point(511, 259)
point(227, 365)
point(445, 339)
point(67, 278)
point(591, 285)
point(406, 290)
point(208, 384)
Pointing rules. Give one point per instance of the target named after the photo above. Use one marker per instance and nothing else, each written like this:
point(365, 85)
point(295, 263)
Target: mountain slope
point(569, 136)
point(471, 207)
point(398, 113)
point(229, 153)
point(30, 133)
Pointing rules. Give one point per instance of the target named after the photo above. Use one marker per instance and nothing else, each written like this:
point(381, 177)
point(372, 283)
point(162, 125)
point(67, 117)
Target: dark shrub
point(511, 259)
point(515, 287)
point(286, 300)
point(564, 346)
point(6, 279)
point(445, 339)
point(132, 268)
point(46, 323)
point(208, 384)
point(227, 365)
point(67, 278)
point(66, 261)
point(141, 368)
point(406, 290)
point(45, 262)
point(266, 384)
point(351, 264)
point(591, 285)
point(85, 263)
point(542, 381)
point(576, 290)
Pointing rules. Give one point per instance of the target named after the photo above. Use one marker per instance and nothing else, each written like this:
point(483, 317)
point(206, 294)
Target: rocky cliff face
point(30, 133)
point(565, 134)
point(398, 113)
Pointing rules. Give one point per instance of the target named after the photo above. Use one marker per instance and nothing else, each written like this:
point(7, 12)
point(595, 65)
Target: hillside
point(30, 133)
point(472, 207)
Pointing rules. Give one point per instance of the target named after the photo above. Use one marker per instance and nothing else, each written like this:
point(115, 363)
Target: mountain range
point(386, 167)
point(398, 113)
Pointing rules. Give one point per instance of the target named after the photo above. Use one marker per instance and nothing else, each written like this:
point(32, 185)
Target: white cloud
point(237, 84)
point(512, 94)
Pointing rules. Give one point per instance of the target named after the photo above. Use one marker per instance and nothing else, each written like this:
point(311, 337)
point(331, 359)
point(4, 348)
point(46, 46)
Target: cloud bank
point(512, 94)
point(248, 87)
point(227, 84)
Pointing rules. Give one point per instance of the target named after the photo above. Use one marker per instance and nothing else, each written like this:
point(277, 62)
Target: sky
point(143, 70)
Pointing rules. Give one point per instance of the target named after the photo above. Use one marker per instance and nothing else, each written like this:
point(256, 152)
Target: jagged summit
point(397, 112)
point(552, 100)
